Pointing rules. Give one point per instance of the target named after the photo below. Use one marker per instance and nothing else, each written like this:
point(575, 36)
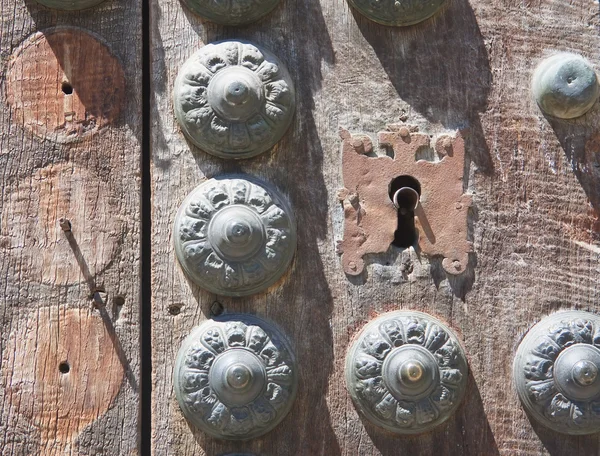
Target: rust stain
point(370, 216)
point(64, 84)
point(62, 373)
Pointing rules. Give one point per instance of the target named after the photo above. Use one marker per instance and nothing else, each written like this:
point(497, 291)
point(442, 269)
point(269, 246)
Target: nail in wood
point(65, 224)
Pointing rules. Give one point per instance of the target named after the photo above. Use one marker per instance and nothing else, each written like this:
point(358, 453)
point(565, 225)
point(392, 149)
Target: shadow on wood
point(580, 140)
point(441, 68)
point(565, 445)
point(469, 422)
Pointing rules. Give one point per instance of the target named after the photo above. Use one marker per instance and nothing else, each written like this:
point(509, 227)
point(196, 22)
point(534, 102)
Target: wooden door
point(72, 313)
point(533, 222)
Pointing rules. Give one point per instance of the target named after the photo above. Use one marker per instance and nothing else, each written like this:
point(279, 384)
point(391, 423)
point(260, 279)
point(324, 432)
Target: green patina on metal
point(397, 13)
point(565, 85)
point(233, 99)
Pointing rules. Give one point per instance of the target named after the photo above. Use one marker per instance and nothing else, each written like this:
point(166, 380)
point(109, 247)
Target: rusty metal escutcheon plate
point(370, 216)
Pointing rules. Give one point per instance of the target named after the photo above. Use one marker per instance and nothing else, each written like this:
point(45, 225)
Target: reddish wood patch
point(64, 84)
point(62, 372)
point(30, 229)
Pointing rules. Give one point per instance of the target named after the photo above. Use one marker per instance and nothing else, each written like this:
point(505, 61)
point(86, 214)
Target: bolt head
point(411, 372)
point(585, 373)
point(565, 85)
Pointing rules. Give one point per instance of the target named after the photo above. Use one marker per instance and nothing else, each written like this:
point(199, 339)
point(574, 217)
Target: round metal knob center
point(585, 373)
point(410, 371)
point(576, 372)
point(236, 93)
point(238, 376)
point(236, 233)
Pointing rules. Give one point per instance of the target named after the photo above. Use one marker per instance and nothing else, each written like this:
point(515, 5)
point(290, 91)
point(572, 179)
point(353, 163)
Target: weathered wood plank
point(537, 247)
point(69, 337)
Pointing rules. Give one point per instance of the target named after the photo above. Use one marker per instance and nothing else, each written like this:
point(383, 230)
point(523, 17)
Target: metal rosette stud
point(399, 13)
point(235, 377)
point(70, 5)
point(556, 372)
point(565, 85)
point(234, 99)
point(406, 372)
point(232, 12)
point(235, 235)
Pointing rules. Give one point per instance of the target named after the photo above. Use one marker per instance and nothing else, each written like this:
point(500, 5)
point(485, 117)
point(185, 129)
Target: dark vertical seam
point(145, 423)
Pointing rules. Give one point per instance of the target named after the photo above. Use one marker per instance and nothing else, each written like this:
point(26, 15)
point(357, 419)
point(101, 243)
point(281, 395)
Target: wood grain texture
point(534, 222)
point(69, 300)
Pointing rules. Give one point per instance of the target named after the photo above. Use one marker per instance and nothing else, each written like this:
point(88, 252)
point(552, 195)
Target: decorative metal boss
point(406, 372)
point(235, 235)
point(565, 85)
point(397, 12)
point(234, 99)
point(70, 5)
point(235, 378)
point(233, 12)
point(556, 372)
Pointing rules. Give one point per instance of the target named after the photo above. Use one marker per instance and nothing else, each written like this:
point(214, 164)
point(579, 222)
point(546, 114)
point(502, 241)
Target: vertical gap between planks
point(145, 418)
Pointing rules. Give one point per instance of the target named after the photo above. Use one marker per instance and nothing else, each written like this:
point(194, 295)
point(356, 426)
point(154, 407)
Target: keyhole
point(67, 88)
point(406, 233)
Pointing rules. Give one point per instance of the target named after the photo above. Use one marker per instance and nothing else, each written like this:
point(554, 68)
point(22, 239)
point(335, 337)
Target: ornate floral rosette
point(235, 235)
point(234, 99)
point(235, 378)
point(232, 12)
point(406, 372)
point(556, 372)
point(398, 13)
